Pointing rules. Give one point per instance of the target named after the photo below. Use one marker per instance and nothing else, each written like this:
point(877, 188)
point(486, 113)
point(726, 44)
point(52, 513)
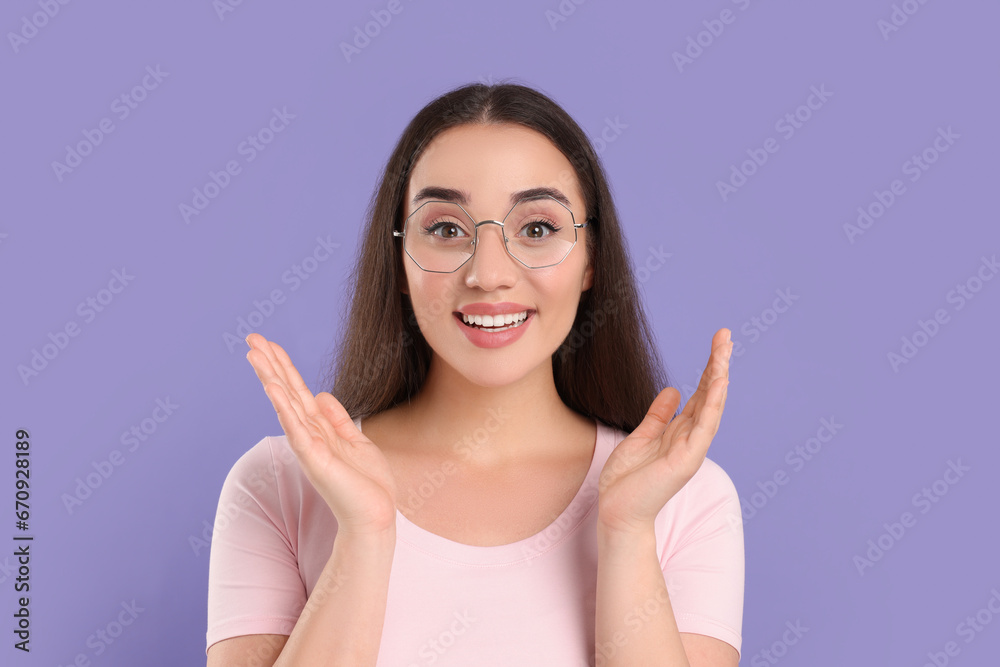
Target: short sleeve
point(254, 584)
point(703, 556)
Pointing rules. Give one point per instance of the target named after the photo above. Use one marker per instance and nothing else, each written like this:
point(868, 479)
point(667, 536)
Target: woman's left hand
point(649, 466)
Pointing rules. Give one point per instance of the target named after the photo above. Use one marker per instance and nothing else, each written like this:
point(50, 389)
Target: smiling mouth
point(494, 323)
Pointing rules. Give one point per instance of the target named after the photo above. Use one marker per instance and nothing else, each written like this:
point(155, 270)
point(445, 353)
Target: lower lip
point(481, 338)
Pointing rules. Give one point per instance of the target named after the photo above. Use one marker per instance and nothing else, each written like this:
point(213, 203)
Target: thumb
point(660, 412)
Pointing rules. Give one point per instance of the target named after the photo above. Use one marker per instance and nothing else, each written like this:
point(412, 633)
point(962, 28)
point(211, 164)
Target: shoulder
point(708, 498)
point(264, 474)
point(269, 464)
point(711, 482)
point(271, 457)
point(705, 510)
point(265, 494)
point(253, 467)
point(270, 469)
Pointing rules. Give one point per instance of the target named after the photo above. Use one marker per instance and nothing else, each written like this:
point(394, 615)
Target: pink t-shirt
point(527, 603)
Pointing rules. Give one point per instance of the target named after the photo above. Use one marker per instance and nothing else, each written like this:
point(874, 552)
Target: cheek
point(560, 296)
point(432, 295)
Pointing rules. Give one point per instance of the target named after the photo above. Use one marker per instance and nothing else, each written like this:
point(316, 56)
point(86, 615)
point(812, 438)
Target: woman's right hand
point(349, 470)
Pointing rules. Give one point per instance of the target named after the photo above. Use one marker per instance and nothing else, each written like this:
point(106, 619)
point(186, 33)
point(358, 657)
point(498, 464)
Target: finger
point(709, 418)
point(338, 417)
point(718, 343)
point(299, 436)
point(266, 373)
point(717, 366)
point(294, 379)
point(659, 414)
point(268, 349)
point(264, 360)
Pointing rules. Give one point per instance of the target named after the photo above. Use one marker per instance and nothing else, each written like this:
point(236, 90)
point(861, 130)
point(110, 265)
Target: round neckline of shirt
point(583, 503)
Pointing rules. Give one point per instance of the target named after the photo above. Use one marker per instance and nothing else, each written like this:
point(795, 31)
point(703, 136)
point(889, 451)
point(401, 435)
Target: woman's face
point(487, 164)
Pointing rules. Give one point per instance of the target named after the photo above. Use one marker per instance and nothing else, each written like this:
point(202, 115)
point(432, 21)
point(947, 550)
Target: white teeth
point(492, 321)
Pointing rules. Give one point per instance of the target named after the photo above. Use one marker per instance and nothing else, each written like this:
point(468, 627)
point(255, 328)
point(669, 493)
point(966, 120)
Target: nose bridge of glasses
point(501, 231)
point(481, 233)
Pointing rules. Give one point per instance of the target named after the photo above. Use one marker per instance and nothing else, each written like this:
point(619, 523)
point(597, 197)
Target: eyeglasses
point(441, 236)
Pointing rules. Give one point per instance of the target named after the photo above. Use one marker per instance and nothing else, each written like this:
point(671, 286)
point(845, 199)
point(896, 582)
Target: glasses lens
point(439, 236)
point(539, 232)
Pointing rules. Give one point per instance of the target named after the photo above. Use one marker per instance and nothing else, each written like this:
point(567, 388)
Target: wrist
point(382, 539)
point(618, 528)
point(618, 536)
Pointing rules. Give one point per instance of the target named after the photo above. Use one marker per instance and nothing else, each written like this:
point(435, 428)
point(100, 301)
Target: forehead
point(489, 162)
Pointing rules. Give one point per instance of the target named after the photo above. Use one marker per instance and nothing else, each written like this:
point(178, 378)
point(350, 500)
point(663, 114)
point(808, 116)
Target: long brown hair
point(608, 368)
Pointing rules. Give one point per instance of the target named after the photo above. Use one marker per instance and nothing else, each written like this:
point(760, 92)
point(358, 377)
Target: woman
point(497, 481)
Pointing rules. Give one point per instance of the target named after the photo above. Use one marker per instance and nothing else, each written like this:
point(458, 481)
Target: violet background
point(826, 357)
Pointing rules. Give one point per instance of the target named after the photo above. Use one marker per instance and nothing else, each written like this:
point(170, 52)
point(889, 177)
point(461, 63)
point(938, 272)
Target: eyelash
point(551, 226)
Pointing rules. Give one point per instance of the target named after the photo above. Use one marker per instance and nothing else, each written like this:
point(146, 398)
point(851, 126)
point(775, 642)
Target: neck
point(496, 425)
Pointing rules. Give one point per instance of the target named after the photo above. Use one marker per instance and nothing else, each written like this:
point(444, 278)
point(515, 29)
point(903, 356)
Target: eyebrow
point(451, 194)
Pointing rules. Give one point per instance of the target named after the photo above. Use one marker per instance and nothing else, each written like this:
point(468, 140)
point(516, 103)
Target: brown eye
point(445, 230)
point(538, 229)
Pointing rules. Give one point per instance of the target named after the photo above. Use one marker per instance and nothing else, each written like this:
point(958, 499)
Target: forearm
point(342, 621)
point(635, 623)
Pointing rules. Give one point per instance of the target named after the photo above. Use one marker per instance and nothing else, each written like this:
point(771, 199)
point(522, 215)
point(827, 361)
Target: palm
point(347, 469)
point(657, 459)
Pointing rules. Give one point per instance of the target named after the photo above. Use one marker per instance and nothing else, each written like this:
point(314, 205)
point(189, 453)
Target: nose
point(490, 267)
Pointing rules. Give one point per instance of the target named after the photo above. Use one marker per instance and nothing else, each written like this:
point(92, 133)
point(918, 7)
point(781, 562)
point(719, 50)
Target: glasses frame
point(503, 232)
